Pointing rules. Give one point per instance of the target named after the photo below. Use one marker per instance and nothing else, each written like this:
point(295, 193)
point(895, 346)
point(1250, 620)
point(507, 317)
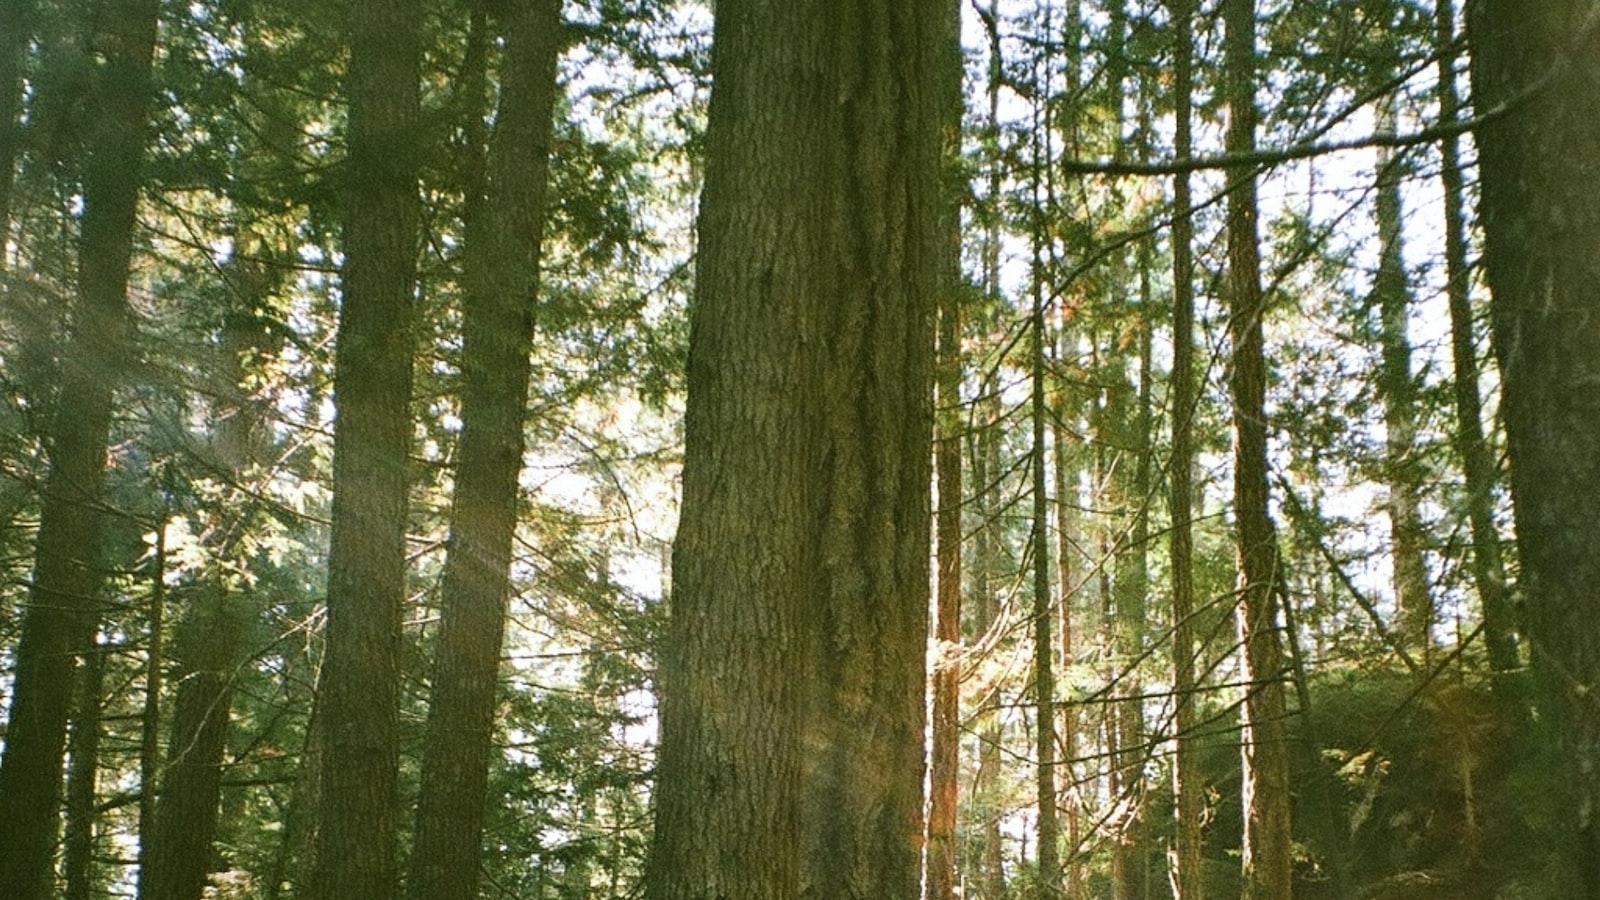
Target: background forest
point(312, 335)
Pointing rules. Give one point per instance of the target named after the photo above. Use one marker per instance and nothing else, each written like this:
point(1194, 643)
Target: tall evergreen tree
point(501, 282)
point(1187, 883)
point(1267, 848)
point(1536, 78)
point(62, 613)
point(1478, 464)
point(793, 670)
point(359, 690)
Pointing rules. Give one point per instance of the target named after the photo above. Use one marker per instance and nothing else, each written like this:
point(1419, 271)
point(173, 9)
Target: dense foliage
point(1418, 768)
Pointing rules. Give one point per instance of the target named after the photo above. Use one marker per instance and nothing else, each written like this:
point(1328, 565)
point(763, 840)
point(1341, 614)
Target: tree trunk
point(62, 612)
point(991, 735)
point(502, 273)
point(150, 724)
point(206, 650)
point(1044, 685)
point(78, 845)
point(1067, 549)
point(1267, 868)
point(1536, 67)
point(357, 810)
point(793, 676)
point(945, 750)
point(1188, 797)
point(1478, 464)
point(1397, 387)
point(985, 477)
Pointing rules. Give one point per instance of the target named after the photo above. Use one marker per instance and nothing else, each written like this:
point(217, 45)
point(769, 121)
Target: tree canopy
point(614, 448)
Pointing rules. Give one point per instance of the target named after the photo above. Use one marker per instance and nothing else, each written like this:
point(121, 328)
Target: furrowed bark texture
point(793, 675)
point(1267, 867)
point(61, 614)
point(359, 689)
point(1540, 65)
point(503, 270)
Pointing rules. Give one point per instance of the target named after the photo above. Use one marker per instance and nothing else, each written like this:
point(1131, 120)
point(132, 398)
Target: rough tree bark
point(502, 273)
point(61, 615)
point(359, 691)
point(1267, 867)
point(1536, 69)
point(793, 675)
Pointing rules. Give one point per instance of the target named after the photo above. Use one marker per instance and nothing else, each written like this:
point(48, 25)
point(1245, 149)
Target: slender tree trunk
point(78, 846)
point(359, 691)
point(1398, 389)
point(985, 460)
point(941, 881)
point(986, 474)
point(206, 650)
point(1067, 531)
point(1044, 686)
point(1187, 878)
point(1267, 846)
point(502, 269)
point(1478, 464)
point(1130, 865)
point(1537, 67)
point(793, 676)
point(62, 611)
point(150, 725)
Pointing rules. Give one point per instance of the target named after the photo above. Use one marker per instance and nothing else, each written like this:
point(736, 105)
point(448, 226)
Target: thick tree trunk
point(793, 677)
point(1397, 387)
point(1478, 464)
point(61, 614)
point(1537, 68)
point(1189, 800)
point(359, 691)
point(502, 273)
point(1267, 867)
